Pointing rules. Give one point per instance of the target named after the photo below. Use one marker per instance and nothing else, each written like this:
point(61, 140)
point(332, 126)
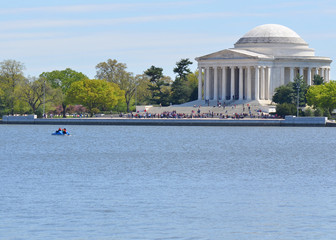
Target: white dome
point(271, 33)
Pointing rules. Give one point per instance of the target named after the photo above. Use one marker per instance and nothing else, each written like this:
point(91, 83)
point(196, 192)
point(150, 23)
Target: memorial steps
point(230, 108)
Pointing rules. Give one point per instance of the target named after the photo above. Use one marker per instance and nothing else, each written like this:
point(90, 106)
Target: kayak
point(61, 133)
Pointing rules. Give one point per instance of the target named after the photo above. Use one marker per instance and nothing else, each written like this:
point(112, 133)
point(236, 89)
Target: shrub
point(285, 109)
point(318, 112)
point(326, 113)
point(308, 112)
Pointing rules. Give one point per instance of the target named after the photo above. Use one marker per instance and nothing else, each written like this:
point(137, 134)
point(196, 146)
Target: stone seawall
point(312, 122)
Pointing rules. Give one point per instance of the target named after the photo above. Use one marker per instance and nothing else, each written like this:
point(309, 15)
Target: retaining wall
point(289, 121)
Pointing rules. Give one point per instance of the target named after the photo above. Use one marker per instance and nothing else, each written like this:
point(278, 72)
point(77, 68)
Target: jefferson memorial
point(265, 58)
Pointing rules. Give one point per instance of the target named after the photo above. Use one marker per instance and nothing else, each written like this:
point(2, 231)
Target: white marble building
point(264, 58)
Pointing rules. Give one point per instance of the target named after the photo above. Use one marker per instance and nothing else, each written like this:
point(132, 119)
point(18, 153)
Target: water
point(127, 182)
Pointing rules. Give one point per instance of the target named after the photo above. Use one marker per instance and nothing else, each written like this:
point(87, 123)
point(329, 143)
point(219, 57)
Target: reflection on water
point(127, 182)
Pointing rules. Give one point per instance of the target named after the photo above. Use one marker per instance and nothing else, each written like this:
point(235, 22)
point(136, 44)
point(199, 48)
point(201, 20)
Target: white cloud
point(109, 42)
point(138, 51)
point(90, 8)
point(38, 23)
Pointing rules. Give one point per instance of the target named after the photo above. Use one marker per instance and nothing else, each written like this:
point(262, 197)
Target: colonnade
point(234, 83)
point(308, 73)
point(248, 82)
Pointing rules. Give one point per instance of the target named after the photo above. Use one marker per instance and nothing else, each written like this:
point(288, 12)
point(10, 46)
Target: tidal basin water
point(128, 182)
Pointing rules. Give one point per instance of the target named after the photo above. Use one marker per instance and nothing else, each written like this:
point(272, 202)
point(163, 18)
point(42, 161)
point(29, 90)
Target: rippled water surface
point(127, 182)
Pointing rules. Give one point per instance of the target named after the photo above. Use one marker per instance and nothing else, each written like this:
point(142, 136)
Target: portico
point(263, 59)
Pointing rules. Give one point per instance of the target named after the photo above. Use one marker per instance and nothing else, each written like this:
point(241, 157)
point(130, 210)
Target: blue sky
point(54, 35)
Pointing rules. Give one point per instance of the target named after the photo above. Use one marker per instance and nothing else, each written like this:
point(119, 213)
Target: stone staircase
point(230, 108)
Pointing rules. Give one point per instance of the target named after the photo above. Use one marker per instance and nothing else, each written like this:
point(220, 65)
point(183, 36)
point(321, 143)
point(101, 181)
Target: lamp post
point(298, 97)
point(136, 89)
point(44, 99)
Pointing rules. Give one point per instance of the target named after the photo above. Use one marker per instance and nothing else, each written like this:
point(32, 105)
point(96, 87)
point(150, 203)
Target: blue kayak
point(60, 133)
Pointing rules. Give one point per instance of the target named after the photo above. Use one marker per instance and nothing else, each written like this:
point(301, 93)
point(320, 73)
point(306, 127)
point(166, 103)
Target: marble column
point(256, 83)
point(232, 82)
point(199, 83)
point(241, 84)
point(268, 82)
point(262, 83)
point(207, 80)
point(215, 83)
point(223, 83)
point(322, 73)
point(301, 71)
point(283, 75)
point(248, 84)
point(291, 74)
point(309, 76)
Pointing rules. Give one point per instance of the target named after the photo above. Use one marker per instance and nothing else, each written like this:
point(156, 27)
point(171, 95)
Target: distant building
point(265, 58)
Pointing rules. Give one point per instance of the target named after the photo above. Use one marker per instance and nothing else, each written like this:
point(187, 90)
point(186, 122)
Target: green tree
point(182, 69)
point(284, 94)
point(11, 74)
point(323, 96)
point(129, 85)
point(95, 95)
point(33, 92)
point(2, 100)
point(318, 80)
point(300, 86)
point(158, 86)
point(288, 93)
point(63, 80)
point(111, 71)
point(115, 72)
point(180, 91)
point(192, 83)
point(142, 95)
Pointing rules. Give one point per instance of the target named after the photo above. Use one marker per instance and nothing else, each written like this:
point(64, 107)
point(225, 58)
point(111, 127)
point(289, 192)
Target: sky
point(79, 34)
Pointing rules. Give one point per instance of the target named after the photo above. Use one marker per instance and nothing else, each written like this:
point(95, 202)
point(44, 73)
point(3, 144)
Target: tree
point(111, 71)
point(284, 94)
point(318, 80)
point(182, 69)
point(180, 91)
point(158, 85)
point(11, 74)
point(284, 109)
point(33, 92)
point(142, 94)
point(128, 84)
point(301, 87)
point(323, 96)
point(95, 95)
point(63, 80)
point(192, 83)
point(115, 72)
point(288, 93)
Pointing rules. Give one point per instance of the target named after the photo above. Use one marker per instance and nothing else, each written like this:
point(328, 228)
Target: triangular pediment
point(233, 54)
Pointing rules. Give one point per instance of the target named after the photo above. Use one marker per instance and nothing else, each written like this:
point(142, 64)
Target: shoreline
point(288, 122)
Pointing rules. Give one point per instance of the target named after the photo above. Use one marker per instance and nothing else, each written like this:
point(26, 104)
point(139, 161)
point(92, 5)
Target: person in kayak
point(59, 130)
point(64, 131)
